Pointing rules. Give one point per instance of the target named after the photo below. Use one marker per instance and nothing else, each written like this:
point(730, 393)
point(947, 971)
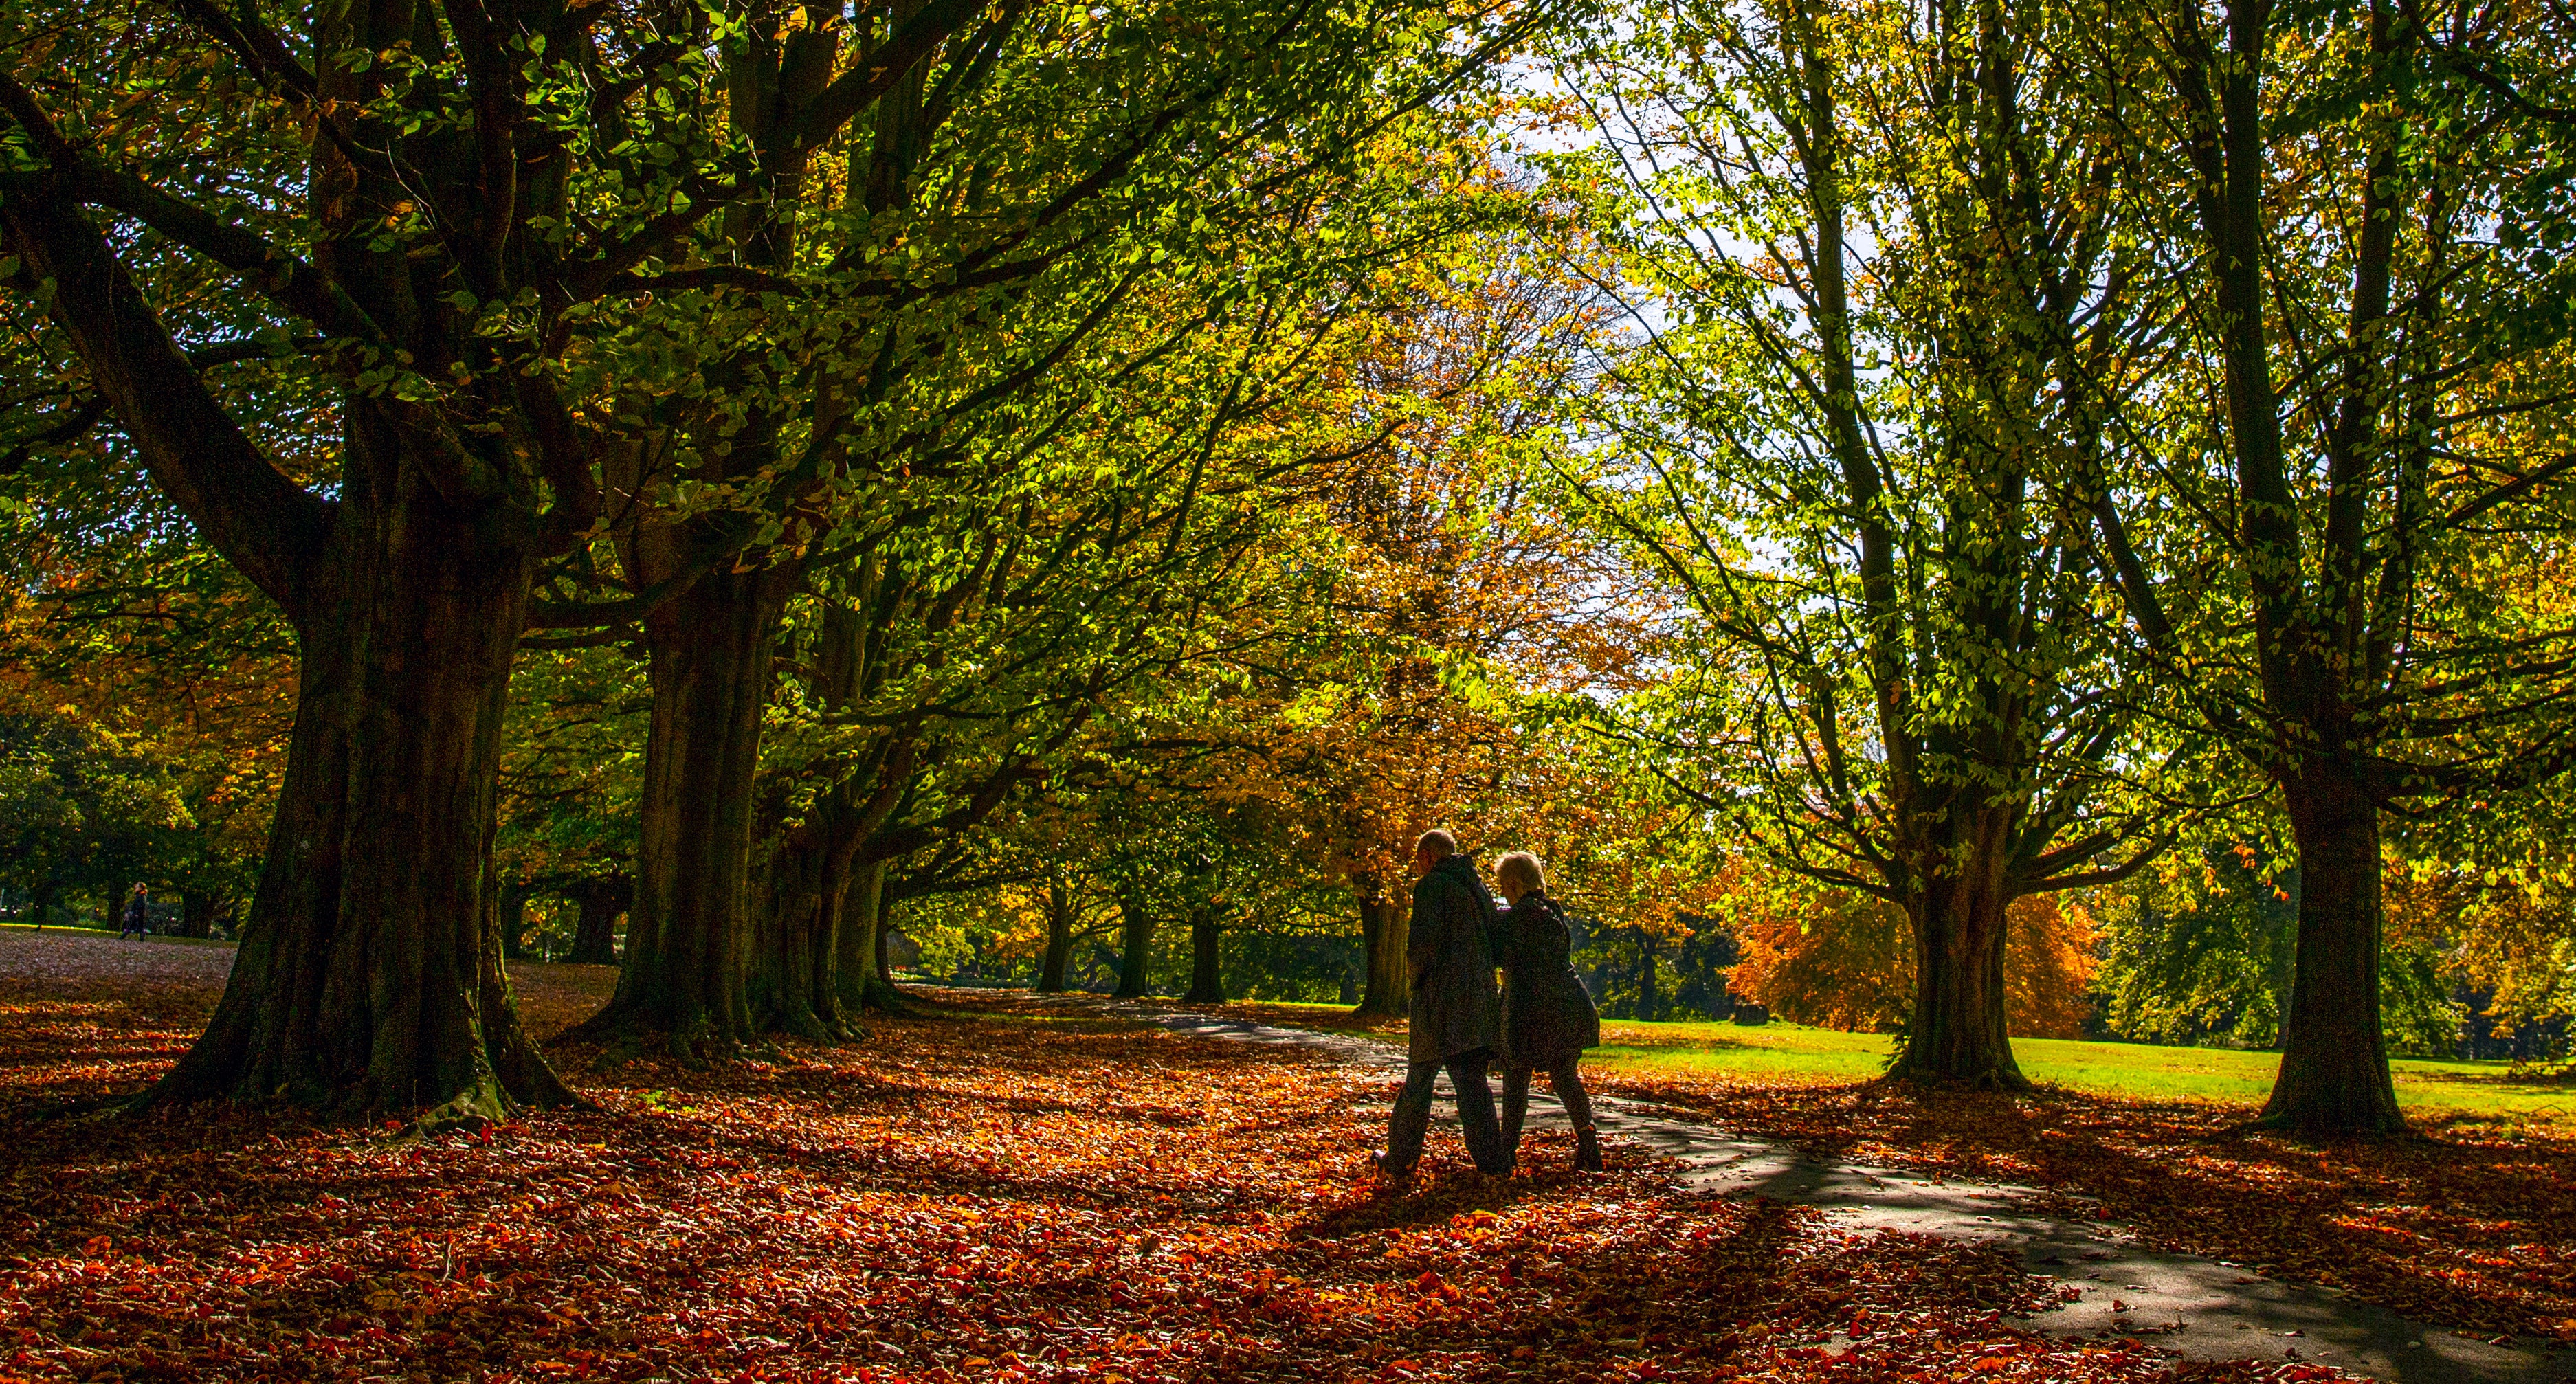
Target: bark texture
point(2334, 1072)
point(369, 977)
point(684, 977)
point(1957, 1030)
point(861, 978)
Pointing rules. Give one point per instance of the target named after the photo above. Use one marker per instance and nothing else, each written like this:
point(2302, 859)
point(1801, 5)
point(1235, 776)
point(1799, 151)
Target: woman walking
point(1548, 1018)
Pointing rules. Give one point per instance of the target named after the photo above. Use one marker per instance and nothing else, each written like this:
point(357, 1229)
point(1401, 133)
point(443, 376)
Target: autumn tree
point(412, 209)
point(2339, 537)
point(1872, 260)
point(1845, 960)
point(1039, 222)
point(123, 640)
point(491, 247)
point(1446, 588)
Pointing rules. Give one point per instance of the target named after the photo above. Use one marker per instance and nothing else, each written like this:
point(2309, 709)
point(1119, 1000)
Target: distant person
point(138, 915)
point(1548, 1017)
point(1452, 1015)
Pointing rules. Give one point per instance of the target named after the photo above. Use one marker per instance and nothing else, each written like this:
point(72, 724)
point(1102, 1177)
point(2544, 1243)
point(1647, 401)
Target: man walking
point(138, 915)
point(1454, 1015)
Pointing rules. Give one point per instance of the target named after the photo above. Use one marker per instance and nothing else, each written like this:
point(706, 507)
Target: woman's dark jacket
point(1547, 1014)
point(1448, 949)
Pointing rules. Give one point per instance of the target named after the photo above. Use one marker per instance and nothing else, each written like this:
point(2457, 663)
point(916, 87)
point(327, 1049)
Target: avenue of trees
point(1969, 517)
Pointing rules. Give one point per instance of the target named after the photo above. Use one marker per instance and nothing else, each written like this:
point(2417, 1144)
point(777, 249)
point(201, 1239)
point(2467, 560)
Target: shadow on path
point(2197, 1308)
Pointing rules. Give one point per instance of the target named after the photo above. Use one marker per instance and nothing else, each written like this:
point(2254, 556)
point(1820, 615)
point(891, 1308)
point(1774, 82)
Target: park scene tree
point(753, 690)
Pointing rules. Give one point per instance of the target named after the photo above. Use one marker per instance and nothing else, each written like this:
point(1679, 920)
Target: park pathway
point(2197, 1308)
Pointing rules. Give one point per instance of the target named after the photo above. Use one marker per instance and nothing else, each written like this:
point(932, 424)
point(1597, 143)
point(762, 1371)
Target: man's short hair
point(1437, 844)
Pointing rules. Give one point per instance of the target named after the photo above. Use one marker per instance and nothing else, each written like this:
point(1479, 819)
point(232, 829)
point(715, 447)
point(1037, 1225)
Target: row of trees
point(760, 466)
point(961, 363)
point(2072, 422)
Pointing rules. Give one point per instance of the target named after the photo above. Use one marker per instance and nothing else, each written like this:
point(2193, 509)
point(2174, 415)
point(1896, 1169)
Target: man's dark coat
point(1448, 948)
point(1547, 1014)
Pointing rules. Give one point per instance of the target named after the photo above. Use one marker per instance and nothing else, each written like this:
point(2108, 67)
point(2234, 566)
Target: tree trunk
point(862, 915)
point(793, 957)
point(1383, 929)
point(1207, 984)
point(1135, 944)
point(113, 914)
point(684, 976)
point(594, 935)
point(510, 913)
point(1957, 1032)
point(366, 978)
point(2334, 1076)
point(1059, 941)
point(1650, 996)
point(197, 913)
point(885, 943)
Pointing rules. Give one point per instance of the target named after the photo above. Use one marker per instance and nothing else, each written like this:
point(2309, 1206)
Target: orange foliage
point(1846, 961)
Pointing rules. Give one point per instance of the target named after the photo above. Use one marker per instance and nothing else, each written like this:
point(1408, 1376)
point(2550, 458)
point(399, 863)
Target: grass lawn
point(1780, 1053)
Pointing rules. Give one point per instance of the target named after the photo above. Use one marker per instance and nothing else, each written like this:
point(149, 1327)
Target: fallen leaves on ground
point(2459, 1226)
point(996, 1189)
point(2456, 1226)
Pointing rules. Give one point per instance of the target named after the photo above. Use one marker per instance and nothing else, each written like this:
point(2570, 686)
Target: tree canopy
point(1966, 518)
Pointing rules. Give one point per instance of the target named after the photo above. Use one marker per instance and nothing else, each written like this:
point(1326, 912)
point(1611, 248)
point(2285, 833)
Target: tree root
point(1998, 1080)
point(624, 1038)
point(2309, 1129)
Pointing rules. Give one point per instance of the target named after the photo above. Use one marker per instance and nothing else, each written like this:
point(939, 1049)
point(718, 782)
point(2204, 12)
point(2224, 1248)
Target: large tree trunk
point(2334, 1076)
point(810, 972)
point(684, 975)
point(1957, 1032)
point(366, 978)
point(1383, 930)
point(1135, 944)
point(794, 957)
point(1059, 940)
point(1207, 984)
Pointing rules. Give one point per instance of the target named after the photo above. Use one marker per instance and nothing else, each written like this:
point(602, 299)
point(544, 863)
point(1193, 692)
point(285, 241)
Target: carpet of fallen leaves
point(995, 1189)
point(2457, 1226)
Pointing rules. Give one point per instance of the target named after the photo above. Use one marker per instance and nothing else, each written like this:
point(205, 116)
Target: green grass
point(1779, 1053)
point(1788, 1052)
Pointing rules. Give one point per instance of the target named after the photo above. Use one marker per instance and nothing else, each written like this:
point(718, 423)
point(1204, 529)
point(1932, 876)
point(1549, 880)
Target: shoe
point(1587, 1150)
point(1399, 1178)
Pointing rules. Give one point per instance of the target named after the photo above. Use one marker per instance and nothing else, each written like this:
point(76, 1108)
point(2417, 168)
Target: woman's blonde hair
point(1521, 868)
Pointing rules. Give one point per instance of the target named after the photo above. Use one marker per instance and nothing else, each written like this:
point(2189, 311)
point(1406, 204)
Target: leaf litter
point(984, 1192)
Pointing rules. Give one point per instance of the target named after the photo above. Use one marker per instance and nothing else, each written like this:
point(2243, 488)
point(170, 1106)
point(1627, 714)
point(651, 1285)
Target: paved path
point(2197, 1308)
